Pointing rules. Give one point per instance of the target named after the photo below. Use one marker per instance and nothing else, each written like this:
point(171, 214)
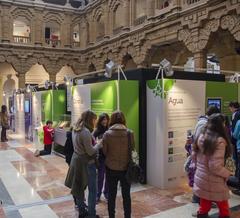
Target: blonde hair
point(86, 120)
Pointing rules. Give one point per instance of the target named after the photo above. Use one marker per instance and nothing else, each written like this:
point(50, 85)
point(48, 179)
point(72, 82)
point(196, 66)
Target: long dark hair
point(4, 109)
point(101, 117)
point(213, 130)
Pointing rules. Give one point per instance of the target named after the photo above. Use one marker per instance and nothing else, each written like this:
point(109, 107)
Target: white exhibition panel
point(19, 115)
point(36, 116)
point(81, 101)
point(168, 122)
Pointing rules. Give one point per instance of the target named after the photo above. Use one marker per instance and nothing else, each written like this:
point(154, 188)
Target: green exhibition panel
point(103, 97)
point(222, 93)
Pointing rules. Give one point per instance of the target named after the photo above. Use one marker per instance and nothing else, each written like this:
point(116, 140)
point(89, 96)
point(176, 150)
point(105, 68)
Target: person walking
point(4, 123)
point(210, 152)
point(115, 148)
point(101, 128)
point(48, 132)
point(82, 171)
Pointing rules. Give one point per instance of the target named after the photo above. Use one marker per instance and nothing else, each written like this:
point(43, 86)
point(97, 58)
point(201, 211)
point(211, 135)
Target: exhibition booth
point(172, 117)
point(162, 113)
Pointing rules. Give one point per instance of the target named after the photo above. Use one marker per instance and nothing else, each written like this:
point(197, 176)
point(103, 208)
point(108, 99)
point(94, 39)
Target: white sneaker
point(194, 214)
point(37, 153)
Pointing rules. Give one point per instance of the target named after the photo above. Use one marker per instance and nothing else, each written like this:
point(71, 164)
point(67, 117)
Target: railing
point(190, 2)
point(140, 20)
point(21, 39)
point(76, 44)
point(53, 42)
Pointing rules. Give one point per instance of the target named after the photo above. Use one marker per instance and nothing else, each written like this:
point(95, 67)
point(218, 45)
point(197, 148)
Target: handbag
point(230, 165)
point(134, 171)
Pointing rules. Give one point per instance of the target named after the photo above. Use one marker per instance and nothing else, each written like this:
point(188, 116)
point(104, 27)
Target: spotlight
point(109, 69)
point(28, 90)
point(4, 94)
point(167, 67)
point(68, 80)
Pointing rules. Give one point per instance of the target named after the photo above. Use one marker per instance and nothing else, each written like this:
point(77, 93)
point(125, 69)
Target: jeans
point(101, 177)
point(113, 177)
point(47, 150)
point(3, 134)
point(92, 189)
point(205, 207)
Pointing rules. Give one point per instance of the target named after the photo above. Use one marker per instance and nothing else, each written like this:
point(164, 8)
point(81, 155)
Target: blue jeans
point(92, 189)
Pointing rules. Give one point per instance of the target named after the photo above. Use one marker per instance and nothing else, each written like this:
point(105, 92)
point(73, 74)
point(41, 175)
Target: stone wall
point(119, 30)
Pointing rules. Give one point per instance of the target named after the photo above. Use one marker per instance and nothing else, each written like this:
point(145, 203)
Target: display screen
point(27, 106)
point(215, 102)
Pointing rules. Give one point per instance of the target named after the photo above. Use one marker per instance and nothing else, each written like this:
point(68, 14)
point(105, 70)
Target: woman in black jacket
point(101, 128)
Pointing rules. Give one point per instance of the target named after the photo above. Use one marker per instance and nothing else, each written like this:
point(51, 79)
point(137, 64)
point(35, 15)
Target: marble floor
point(33, 187)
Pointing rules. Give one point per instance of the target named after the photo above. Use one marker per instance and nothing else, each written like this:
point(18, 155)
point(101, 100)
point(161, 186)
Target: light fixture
point(234, 78)
point(68, 80)
point(164, 67)
point(4, 94)
point(28, 90)
point(46, 84)
point(109, 69)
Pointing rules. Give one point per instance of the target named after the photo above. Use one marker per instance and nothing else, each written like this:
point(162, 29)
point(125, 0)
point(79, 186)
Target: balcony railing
point(53, 42)
point(190, 2)
point(76, 44)
point(100, 38)
point(21, 39)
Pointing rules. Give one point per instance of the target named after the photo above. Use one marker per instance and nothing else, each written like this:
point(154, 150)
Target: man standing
point(234, 107)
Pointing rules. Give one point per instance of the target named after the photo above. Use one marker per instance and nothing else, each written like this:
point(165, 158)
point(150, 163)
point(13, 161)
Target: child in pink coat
point(212, 148)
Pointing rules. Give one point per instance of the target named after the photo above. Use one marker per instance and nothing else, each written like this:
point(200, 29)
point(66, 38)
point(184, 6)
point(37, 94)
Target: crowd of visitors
point(98, 157)
point(97, 152)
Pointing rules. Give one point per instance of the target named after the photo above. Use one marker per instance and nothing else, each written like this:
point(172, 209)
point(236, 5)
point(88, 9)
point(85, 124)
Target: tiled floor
point(34, 187)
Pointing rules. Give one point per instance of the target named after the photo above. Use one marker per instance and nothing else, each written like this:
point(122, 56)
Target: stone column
point(66, 31)
point(21, 80)
point(200, 59)
point(126, 17)
point(91, 31)
point(38, 27)
point(52, 77)
point(150, 8)
point(6, 24)
point(107, 22)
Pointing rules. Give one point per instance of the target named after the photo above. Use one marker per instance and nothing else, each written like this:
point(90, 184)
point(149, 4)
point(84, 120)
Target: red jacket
point(47, 139)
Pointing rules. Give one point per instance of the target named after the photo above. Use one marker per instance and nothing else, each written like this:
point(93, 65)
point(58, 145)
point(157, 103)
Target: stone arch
point(117, 10)
point(169, 52)
point(232, 23)
point(22, 12)
point(53, 17)
point(36, 75)
point(65, 71)
point(128, 62)
point(223, 45)
point(197, 39)
point(91, 68)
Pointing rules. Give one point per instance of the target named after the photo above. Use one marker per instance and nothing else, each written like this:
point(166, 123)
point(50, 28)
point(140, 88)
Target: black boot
point(202, 216)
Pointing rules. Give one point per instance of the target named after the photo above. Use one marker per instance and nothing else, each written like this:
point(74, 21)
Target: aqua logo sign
point(175, 101)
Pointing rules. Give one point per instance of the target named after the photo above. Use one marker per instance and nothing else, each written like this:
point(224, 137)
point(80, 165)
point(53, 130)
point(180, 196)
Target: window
point(21, 30)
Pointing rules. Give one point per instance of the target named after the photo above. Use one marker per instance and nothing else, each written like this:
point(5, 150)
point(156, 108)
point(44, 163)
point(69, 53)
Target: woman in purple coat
point(102, 127)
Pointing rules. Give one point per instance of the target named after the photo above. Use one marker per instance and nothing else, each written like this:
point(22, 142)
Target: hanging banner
point(170, 120)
